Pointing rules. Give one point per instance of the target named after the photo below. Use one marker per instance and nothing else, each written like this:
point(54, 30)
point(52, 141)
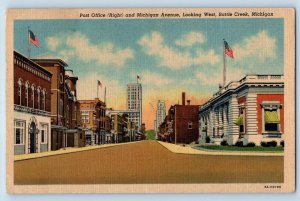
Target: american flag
point(33, 39)
point(227, 50)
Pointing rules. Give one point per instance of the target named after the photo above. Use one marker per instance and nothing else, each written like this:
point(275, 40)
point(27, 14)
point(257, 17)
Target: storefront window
point(44, 133)
point(19, 128)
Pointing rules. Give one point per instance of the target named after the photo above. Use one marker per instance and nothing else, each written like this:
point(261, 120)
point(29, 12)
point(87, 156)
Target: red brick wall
point(184, 115)
point(25, 75)
point(270, 97)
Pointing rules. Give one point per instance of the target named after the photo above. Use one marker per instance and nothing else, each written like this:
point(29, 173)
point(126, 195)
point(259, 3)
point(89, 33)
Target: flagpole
point(29, 48)
point(224, 64)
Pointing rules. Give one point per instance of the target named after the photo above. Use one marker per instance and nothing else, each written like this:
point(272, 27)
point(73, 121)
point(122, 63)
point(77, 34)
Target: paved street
point(146, 162)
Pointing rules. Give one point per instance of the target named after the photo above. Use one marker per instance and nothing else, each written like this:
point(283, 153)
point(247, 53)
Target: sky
point(170, 55)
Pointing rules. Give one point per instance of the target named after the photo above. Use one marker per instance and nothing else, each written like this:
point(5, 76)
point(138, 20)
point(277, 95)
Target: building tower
point(160, 113)
point(134, 103)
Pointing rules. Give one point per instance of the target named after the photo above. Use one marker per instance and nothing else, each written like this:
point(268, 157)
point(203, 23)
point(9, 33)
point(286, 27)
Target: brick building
point(32, 106)
point(248, 110)
point(181, 125)
point(66, 128)
point(95, 121)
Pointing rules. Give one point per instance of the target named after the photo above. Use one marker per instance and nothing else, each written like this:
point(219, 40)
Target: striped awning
point(240, 120)
point(271, 117)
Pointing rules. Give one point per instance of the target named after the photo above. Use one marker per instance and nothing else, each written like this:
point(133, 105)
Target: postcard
point(150, 100)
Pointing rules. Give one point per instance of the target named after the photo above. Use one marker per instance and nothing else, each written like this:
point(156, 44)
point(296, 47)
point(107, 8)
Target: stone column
point(251, 119)
point(215, 120)
point(225, 123)
point(233, 113)
point(220, 113)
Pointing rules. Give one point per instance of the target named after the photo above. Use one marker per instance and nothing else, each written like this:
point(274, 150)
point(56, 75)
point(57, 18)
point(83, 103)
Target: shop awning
point(271, 117)
point(240, 120)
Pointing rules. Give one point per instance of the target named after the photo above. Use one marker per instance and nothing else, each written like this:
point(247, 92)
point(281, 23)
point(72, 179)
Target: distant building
point(66, 130)
point(134, 103)
point(118, 126)
point(181, 125)
point(32, 106)
point(94, 121)
point(248, 110)
point(160, 114)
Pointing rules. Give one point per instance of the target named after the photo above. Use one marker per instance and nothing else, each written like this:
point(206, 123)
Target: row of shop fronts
point(48, 116)
point(46, 109)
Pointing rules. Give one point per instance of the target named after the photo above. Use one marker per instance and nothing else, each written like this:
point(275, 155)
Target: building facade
point(66, 130)
point(248, 110)
point(32, 106)
point(134, 103)
point(181, 125)
point(94, 121)
point(122, 128)
point(160, 115)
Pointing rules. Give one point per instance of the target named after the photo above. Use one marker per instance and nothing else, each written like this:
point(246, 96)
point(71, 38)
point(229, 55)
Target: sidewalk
point(179, 149)
point(66, 151)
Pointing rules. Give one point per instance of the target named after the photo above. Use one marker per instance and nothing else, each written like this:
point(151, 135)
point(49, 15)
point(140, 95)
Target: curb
point(68, 151)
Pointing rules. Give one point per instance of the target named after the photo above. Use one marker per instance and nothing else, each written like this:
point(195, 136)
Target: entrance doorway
point(32, 140)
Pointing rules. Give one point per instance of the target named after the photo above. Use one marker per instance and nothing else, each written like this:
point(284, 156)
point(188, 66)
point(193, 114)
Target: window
point(190, 125)
point(44, 133)
point(44, 99)
point(19, 128)
point(32, 95)
point(39, 98)
point(61, 107)
point(26, 93)
point(67, 114)
point(20, 91)
point(271, 120)
point(85, 116)
point(61, 78)
point(240, 120)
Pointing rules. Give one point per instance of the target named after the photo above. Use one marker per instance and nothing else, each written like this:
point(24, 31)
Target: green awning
point(271, 117)
point(240, 120)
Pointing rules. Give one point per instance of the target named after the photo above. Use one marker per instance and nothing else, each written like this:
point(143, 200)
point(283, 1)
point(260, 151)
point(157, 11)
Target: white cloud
point(153, 45)
point(261, 46)
point(52, 43)
point(191, 38)
point(79, 45)
point(217, 78)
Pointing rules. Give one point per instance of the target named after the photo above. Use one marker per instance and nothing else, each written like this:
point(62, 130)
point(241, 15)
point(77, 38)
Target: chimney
point(188, 102)
point(183, 98)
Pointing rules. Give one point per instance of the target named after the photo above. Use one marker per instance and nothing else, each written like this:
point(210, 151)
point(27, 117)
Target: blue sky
point(170, 55)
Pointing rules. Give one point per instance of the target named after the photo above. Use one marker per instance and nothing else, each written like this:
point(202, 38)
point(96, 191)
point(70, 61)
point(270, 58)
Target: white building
point(248, 110)
point(134, 103)
point(160, 114)
point(32, 121)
